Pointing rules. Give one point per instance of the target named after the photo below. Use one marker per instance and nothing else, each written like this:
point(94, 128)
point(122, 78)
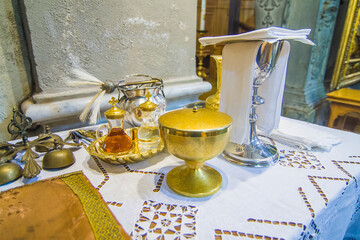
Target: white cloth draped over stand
point(236, 88)
point(239, 56)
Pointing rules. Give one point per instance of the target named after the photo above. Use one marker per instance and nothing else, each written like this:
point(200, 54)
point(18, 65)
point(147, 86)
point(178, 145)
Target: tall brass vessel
point(195, 136)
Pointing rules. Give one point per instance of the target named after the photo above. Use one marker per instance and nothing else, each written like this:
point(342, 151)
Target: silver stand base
point(262, 155)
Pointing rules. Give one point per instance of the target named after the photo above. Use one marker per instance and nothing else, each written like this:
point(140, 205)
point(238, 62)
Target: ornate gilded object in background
point(213, 101)
point(347, 67)
point(201, 55)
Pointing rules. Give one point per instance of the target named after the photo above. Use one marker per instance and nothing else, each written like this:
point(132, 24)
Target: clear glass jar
point(133, 95)
point(117, 140)
point(149, 133)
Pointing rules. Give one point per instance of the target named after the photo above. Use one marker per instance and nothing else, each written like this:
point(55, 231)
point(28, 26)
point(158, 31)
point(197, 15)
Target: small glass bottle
point(149, 133)
point(117, 140)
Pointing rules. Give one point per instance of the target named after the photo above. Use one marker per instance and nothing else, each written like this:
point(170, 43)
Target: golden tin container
point(195, 136)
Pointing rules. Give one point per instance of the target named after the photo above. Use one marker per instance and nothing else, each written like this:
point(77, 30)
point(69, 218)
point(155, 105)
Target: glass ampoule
point(117, 140)
point(149, 133)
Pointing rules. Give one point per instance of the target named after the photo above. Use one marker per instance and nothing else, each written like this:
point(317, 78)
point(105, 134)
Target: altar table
point(306, 195)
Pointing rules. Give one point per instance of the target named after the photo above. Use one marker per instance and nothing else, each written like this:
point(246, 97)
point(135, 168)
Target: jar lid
point(114, 112)
point(148, 106)
point(195, 119)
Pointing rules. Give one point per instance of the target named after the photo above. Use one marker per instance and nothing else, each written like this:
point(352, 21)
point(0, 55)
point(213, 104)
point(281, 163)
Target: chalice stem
point(194, 164)
point(256, 100)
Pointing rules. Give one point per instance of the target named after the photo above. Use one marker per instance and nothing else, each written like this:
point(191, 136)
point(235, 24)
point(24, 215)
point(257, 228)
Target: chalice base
point(194, 182)
point(261, 155)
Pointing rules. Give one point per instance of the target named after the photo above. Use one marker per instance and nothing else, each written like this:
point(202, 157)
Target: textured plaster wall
point(14, 85)
point(111, 39)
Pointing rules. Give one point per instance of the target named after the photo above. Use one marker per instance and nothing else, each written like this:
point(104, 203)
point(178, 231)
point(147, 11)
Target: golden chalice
point(195, 136)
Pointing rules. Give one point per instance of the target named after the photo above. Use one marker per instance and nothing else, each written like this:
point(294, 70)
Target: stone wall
point(109, 39)
point(14, 66)
point(42, 40)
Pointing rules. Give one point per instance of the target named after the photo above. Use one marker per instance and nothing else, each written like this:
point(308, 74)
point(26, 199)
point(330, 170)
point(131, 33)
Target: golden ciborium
point(195, 136)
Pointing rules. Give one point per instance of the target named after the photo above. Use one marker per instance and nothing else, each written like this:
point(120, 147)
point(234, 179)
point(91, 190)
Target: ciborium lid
point(195, 119)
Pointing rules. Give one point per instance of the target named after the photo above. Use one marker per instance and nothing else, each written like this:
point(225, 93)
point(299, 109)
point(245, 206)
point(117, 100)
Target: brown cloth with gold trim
point(66, 207)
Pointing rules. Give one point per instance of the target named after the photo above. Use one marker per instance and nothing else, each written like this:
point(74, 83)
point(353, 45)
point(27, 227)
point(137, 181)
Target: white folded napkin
point(271, 34)
point(303, 136)
point(238, 66)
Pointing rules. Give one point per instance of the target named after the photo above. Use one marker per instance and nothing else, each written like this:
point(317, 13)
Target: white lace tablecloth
point(306, 195)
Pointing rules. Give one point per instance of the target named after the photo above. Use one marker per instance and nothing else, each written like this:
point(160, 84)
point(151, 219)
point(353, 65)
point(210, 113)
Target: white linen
point(238, 67)
point(274, 202)
point(301, 136)
point(271, 34)
point(236, 88)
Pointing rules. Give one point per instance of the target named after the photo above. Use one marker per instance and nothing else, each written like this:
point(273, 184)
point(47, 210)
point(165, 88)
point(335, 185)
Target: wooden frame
point(347, 67)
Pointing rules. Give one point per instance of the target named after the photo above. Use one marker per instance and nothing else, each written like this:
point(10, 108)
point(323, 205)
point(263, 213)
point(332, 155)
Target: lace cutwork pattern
point(227, 234)
point(102, 169)
point(299, 159)
point(160, 221)
point(274, 222)
point(158, 183)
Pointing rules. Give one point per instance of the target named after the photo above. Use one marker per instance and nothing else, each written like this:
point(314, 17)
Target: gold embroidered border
point(104, 224)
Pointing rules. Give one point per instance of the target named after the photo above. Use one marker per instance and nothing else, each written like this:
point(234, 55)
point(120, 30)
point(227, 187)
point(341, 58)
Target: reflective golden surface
point(213, 101)
point(9, 172)
point(135, 154)
point(195, 135)
point(114, 112)
point(58, 158)
point(196, 119)
point(347, 67)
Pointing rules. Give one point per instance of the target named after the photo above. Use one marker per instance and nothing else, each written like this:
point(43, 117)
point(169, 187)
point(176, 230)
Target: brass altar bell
point(58, 157)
